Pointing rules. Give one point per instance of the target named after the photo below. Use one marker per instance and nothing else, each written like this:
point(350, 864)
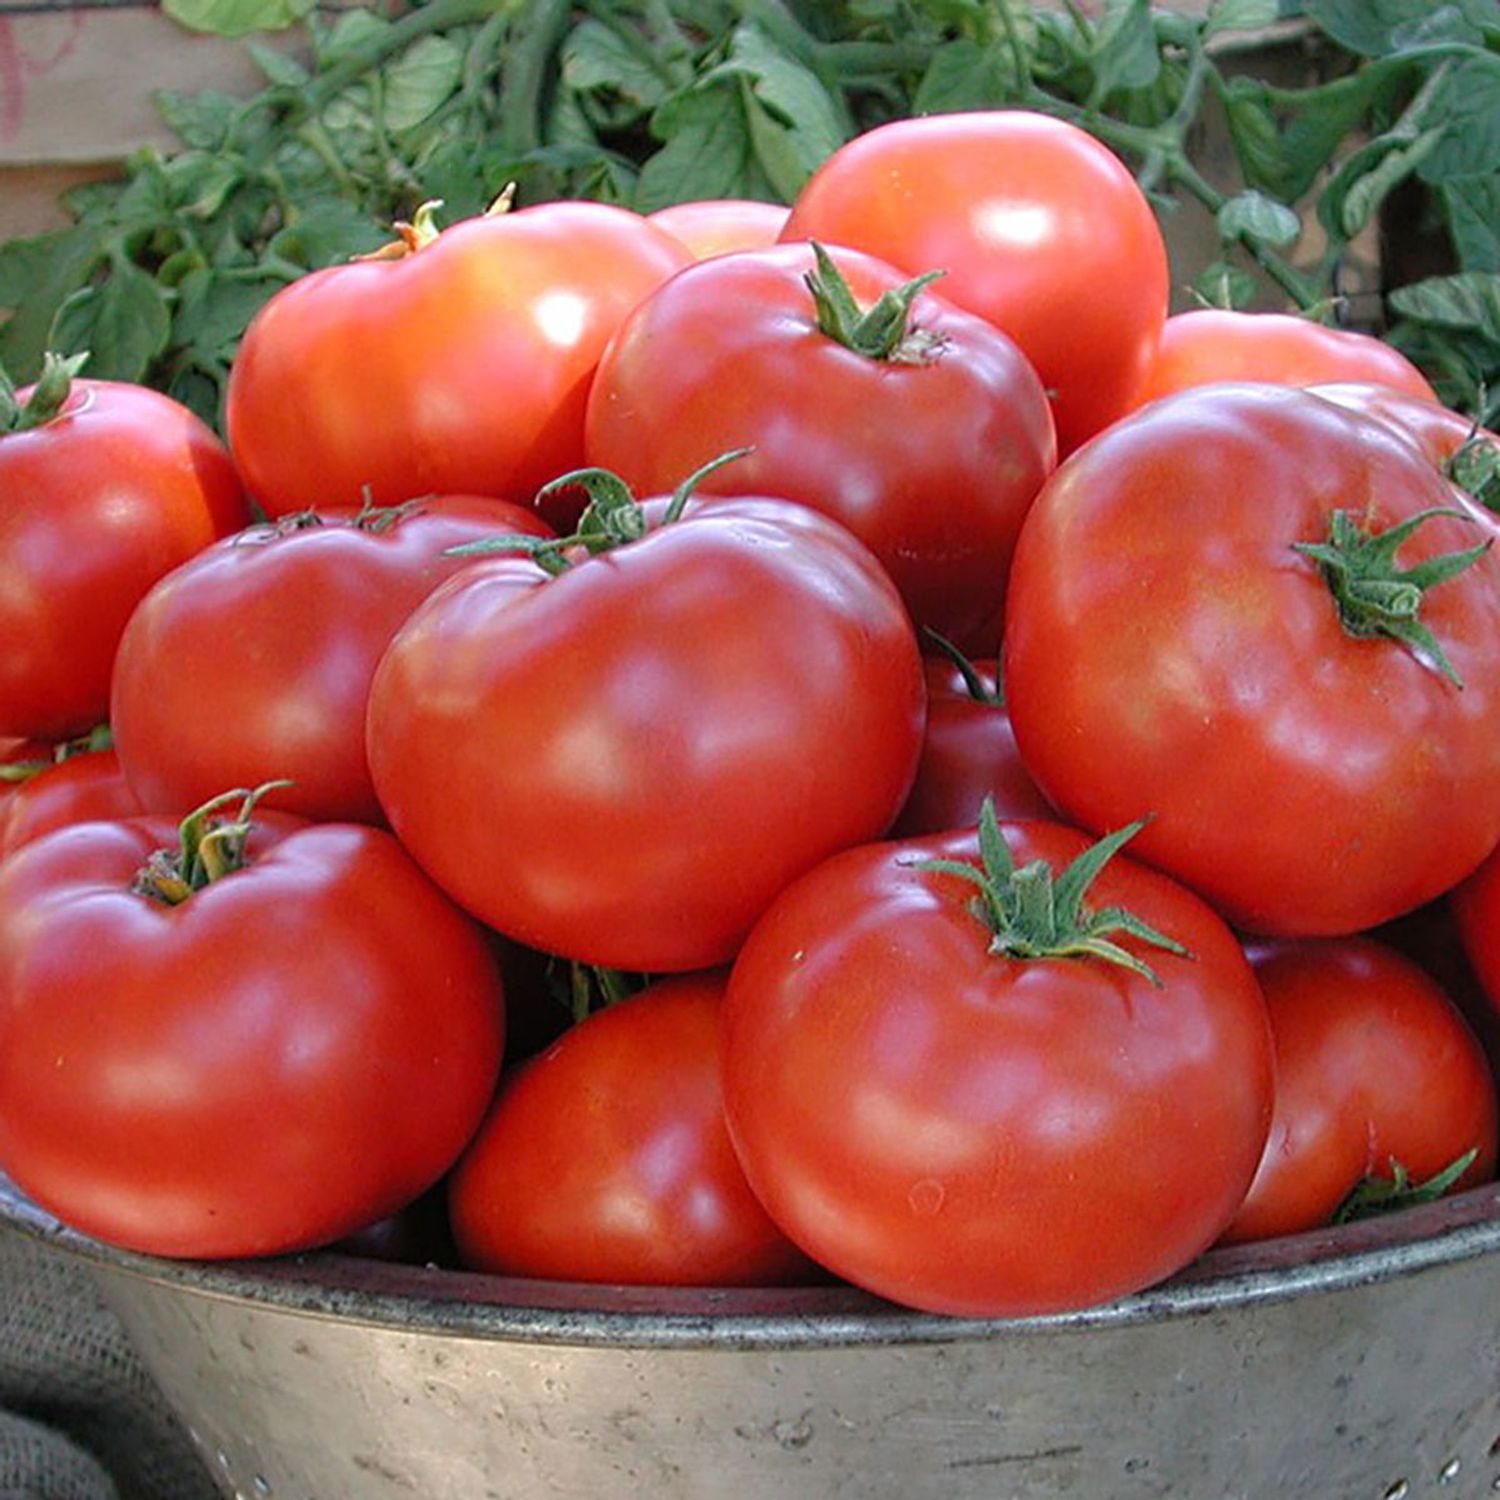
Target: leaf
point(1468, 301)
point(1252, 215)
point(595, 56)
point(214, 311)
point(708, 151)
point(200, 120)
point(236, 17)
point(278, 66)
point(1376, 28)
point(1469, 110)
point(351, 33)
point(964, 74)
point(1224, 285)
point(813, 124)
point(123, 324)
point(1366, 193)
point(420, 79)
point(1473, 205)
point(200, 181)
point(1125, 55)
point(36, 276)
point(329, 230)
point(1241, 15)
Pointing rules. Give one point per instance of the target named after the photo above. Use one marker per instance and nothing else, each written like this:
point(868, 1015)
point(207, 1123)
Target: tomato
point(1476, 908)
point(1040, 229)
point(636, 756)
point(929, 451)
point(607, 1159)
point(254, 660)
point(1374, 1067)
point(715, 226)
point(460, 367)
point(83, 788)
point(1169, 648)
point(116, 489)
point(969, 753)
point(968, 1132)
point(294, 1051)
point(1213, 344)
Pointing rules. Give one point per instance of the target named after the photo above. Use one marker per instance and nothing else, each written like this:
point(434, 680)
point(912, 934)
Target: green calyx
point(1475, 469)
point(1373, 1196)
point(883, 331)
point(974, 684)
point(48, 396)
point(613, 518)
point(208, 848)
point(1033, 912)
point(14, 772)
point(582, 989)
point(1374, 597)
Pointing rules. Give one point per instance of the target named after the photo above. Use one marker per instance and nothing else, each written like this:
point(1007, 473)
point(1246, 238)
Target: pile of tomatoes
point(966, 723)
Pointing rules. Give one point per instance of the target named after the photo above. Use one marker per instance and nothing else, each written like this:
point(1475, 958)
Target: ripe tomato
point(84, 788)
point(973, 1133)
point(1040, 229)
point(254, 660)
point(293, 1052)
point(607, 1159)
point(929, 451)
point(99, 502)
point(1168, 647)
point(1199, 348)
point(635, 757)
point(969, 753)
point(1476, 908)
point(715, 226)
point(461, 367)
point(1374, 1065)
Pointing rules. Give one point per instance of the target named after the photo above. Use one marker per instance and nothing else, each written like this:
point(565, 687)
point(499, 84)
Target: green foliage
point(650, 102)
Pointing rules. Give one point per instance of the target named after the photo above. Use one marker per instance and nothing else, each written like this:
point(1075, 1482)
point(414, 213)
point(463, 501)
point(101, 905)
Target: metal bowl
point(1361, 1363)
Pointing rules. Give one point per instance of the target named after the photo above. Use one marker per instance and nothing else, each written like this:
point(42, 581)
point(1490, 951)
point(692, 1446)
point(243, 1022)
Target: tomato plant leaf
point(201, 120)
point(327, 230)
point(1241, 15)
point(597, 57)
point(1252, 215)
point(279, 67)
point(123, 323)
point(1469, 300)
point(708, 152)
point(966, 75)
point(1469, 112)
point(1375, 28)
point(234, 18)
point(1473, 205)
point(36, 276)
point(1224, 285)
point(419, 81)
point(1125, 55)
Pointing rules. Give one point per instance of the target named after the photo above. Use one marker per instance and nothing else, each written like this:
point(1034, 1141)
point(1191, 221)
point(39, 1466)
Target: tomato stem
point(1033, 912)
point(882, 331)
point(1475, 468)
point(974, 684)
point(1376, 598)
point(208, 848)
point(1372, 1195)
point(48, 396)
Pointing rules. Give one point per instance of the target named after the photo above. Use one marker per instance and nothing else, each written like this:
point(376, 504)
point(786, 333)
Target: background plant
point(650, 102)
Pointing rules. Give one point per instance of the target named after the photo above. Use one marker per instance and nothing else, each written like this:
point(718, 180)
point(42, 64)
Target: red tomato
point(607, 1159)
point(1040, 229)
point(1167, 648)
point(1199, 348)
point(99, 502)
point(1476, 907)
point(293, 1052)
point(969, 753)
point(20, 760)
point(638, 755)
point(83, 788)
point(715, 226)
point(254, 660)
point(930, 455)
point(1374, 1065)
point(971, 1133)
point(461, 367)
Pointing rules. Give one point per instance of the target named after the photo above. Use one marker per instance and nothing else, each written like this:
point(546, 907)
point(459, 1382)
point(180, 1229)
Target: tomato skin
point(931, 464)
point(607, 1159)
point(296, 1051)
point(716, 226)
point(1373, 1062)
point(1166, 650)
point(84, 788)
point(118, 489)
point(968, 753)
point(1436, 430)
point(970, 1134)
point(1215, 344)
point(253, 662)
point(638, 755)
point(462, 368)
point(1040, 229)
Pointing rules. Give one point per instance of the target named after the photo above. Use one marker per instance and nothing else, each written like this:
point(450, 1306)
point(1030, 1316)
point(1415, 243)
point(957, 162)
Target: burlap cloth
point(79, 1418)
